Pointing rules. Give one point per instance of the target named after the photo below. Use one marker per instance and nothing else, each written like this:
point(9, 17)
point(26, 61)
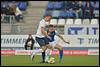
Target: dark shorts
point(42, 41)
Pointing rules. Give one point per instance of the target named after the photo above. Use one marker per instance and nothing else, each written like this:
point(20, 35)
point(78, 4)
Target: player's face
point(54, 28)
point(51, 29)
point(47, 18)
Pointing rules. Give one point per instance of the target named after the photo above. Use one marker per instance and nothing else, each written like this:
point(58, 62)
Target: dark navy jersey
point(52, 34)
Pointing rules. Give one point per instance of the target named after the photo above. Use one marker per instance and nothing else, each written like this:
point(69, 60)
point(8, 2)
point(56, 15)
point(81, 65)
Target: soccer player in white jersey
point(42, 37)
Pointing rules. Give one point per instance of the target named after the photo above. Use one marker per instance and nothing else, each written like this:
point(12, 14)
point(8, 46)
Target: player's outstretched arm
point(63, 39)
point(44, 32)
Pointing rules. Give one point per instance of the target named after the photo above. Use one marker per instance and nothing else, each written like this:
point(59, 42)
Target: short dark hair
point(46, 16)
point(50, 26)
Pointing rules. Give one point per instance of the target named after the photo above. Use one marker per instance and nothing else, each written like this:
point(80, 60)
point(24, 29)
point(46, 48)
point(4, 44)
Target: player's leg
point(48, 55)
point(42, 49)
point(43, 57)
point(48, 51)
point(57, 46)
point(48, 46)
point(44, 43)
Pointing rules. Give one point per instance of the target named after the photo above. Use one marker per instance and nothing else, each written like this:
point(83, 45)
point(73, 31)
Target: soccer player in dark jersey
point(53, 41)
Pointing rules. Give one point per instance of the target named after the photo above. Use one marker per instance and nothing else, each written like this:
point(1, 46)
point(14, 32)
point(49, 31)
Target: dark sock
point(43, 56)
point(61, 54)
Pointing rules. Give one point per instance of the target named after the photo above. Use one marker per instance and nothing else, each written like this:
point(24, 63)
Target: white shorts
point(53, 43)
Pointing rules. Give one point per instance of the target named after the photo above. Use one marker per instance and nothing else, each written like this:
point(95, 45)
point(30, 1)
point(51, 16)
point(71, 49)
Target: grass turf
point(67, 61)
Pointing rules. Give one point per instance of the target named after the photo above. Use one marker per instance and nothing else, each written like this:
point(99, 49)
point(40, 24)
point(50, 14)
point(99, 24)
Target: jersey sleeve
point(42, 23)
point(56, 32)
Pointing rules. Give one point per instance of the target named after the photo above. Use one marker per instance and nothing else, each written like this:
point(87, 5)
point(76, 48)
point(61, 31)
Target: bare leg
point(50, 47)
point(57, 46)
point(43, 48)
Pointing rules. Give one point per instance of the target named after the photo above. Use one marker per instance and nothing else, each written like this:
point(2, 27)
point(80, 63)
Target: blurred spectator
point(79, 10)
point(75, 5)
point(70, 12)
point(55, 13)
point(3, 9)
point(16, 11)
point(68, 4)
point(9, 8)
point(96, 9)
point(87, 11)
point(96, 5)
point(18, 14)
point(63, 14)
point(83, 4)
point(92, 7)
point(80, 4)
point(80, 13)
point(3, 12)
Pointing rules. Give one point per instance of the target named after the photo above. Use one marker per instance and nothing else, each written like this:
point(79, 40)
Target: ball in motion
point(51, 60)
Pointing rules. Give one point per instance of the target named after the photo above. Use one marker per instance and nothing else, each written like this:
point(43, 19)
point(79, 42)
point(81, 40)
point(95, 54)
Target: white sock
point(48, 53)
point(37, 51)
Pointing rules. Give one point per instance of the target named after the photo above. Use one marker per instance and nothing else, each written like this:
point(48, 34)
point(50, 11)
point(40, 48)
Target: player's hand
point(49, 37)
point(67, 42)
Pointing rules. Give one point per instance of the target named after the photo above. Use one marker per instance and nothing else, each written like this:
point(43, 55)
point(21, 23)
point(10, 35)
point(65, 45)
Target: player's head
point(51, 28)
point(30, 36)
point(47, 18)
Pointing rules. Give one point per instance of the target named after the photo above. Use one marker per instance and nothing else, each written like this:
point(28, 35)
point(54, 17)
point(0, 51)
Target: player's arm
point(44, 32)
point(62, 38)
point(26, 41)
point(42, 25)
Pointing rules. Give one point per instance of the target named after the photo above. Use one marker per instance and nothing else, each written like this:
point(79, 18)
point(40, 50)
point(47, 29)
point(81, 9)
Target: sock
point(48, 54)
point(61, 55)
point(37, 51)
point(43, 56)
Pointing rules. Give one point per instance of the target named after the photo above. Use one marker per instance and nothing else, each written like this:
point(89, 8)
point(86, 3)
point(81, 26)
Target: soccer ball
point(51, 60)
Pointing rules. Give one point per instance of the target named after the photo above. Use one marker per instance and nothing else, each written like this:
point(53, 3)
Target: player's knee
point(48, 46)
point(60, 48)
point(51, 47)
point(44, 48)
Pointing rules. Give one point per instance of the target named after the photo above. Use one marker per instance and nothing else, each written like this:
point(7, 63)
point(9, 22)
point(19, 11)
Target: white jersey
point(42, 23)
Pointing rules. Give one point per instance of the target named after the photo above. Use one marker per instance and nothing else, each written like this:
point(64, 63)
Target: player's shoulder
point(56, 31)
point(42, 21)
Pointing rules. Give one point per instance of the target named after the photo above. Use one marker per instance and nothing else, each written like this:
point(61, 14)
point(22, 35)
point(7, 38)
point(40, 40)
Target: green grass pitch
point(25, 60)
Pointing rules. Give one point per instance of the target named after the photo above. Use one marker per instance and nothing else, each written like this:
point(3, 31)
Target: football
point(51, 60)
